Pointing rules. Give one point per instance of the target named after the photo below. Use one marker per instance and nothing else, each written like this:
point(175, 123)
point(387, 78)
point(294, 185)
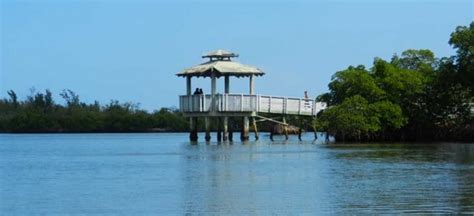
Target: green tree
point(13, 97)
point(462, 39)
point(353, 119)
point(350, 82)
point(400, 85)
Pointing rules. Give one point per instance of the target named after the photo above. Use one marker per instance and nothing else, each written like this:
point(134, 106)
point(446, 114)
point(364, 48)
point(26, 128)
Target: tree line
point(413, 96)
point(40, 113)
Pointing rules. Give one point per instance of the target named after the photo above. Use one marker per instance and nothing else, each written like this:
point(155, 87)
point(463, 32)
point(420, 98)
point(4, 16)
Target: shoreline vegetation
point(411, 97)
point(39, 113)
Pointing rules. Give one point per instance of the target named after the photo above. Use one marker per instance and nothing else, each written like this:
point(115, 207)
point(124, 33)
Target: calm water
point(142, 174)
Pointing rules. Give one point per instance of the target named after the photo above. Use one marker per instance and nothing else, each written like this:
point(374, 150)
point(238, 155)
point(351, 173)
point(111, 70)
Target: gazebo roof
point(221, 65)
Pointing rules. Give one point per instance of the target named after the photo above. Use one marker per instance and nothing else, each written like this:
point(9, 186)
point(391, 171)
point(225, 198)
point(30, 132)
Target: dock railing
point(249, 103)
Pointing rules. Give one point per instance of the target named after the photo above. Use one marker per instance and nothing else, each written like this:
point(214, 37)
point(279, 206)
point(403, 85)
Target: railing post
point(258, 103)
point(270, 104)
point(203, 102)
point(226, 101)
point(241, 102)
point(222, 103)
point(299, 106)
point(199, 103)
point(190, 102)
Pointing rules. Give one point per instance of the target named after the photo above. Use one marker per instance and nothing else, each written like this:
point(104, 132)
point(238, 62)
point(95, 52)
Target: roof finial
point(222, 55)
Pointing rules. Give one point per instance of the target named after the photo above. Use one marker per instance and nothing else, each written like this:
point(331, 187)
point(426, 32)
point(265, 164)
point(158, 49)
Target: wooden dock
point(223, 107)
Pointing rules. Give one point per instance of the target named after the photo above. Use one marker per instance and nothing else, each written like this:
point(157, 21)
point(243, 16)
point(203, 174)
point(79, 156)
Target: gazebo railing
point(249, 103)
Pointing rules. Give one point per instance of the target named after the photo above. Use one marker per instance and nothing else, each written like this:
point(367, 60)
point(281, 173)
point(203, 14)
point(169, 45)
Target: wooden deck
point(244, 104)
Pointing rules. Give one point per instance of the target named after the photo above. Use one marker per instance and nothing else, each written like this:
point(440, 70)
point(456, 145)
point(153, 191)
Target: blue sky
point(131, 50)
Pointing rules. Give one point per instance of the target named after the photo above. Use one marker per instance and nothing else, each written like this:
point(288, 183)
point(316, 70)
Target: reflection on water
point(133, 174)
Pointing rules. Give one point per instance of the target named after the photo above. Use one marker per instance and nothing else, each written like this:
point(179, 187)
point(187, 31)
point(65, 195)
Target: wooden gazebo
point(225, 105)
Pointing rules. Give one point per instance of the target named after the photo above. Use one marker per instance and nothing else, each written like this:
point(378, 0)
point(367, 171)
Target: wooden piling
point(300, 131)
point(314, 130)
point(226, 129)
point(207, 125)
point(254, 124)
point(193, 134)
point(285, 128)
point(231, 130)
point(219, 129)
point(244, 135)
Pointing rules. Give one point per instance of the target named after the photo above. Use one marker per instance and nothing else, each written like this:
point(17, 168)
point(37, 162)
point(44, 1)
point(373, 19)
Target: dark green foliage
point(353, 81)
point(413, 97)
point(353, 118)
point(170, 120)
point(40, 113)
point(463, 40)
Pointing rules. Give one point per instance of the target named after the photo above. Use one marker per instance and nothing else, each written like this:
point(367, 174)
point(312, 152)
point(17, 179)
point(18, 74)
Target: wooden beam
point(263, 118)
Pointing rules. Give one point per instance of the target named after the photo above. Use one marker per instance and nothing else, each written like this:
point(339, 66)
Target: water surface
point(143, 174)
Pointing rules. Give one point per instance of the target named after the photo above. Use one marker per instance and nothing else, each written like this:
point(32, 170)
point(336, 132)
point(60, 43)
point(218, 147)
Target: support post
point(231, 130)
point(285, 128)
point(251, 85)
point(226, 129)
point(244, 135)
point(226, 84)
point(193, 134)
point(254, 124)
point(300, 131)
point(213, 92)
point(219, 129)
point(188, 85)
point(315, 131)
point(207, 125)
point(193, 137)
